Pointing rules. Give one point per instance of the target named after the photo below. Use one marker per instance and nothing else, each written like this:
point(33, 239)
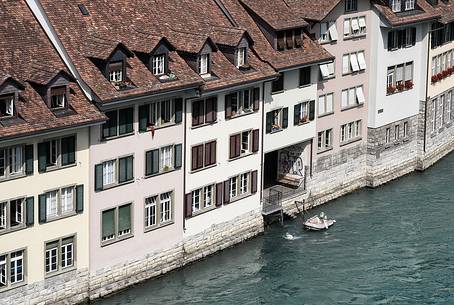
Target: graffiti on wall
point(291, 160)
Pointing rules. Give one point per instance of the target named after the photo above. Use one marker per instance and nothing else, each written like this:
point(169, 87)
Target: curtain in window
point(51, 204)
point(67, 200)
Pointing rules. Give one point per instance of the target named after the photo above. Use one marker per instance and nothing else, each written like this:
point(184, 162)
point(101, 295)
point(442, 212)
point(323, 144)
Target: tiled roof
point(27, 55)
point(446, 11)
point(423, 12)
point(312, 10)
point(277, 13)
point(311, 52)
point(177, 21)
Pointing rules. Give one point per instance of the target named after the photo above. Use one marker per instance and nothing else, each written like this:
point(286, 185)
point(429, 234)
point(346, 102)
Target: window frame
point(158, 64)
point(393, 82)
point(202, 199)
point(8, 267)
point(117, 172)
point(351, 6)
point(355, 98)
point(59, 204)
point(7, 216)
point(11, 99)
point(325, 140)
point(362, 30)
point(116, 218)
point(60, 268)
point(324, 97)
point(7, 155)
point(116, 71)
point(236, 181)
point(350, 132)
point(305, 80)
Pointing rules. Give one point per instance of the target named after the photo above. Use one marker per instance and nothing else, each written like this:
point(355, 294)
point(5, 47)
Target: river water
point(391, 245)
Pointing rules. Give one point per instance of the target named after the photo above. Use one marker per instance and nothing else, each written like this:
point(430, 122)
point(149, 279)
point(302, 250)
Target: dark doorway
point(270, 170)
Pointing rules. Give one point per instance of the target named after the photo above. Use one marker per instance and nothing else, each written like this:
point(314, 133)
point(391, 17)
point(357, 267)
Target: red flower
point(440, 76)
point(445, 73)
point(400, 86)
point(391, 89)
point(434, 78)
point(409, 84)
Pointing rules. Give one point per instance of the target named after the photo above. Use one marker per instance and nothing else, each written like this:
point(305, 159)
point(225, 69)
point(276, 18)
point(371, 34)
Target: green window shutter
point(29, 160)
point(285, 118)
point(109, 129)
point(122, 167)
point(68, 150)
point(99, 184)
point(108, 223)
point(124, 218)
point(129, 168)
point(155, 161)
point(143, 117)
point(148, 163)
point(269, 121)
point(126, 118)
point(79, 198)
point(311, 110)
point(178, 156)
point(178, 110)
point(42, 157)
point(296, 115)
point(42, 208)
point(30, 208)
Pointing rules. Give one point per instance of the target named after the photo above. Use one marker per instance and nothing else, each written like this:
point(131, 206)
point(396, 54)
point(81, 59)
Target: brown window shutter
point(208, 154)
point(188, 206)
point(213, 152)
point(237, 145)
point(210, 115)
point(194, 158)
point(200, 156)
point(227, 192)
point(289, 39)
point(256, 98)
point(254, 177)
point(219, 194)
point(232, 153)
point(228, 106)
point(197, 113)
point(255, 140)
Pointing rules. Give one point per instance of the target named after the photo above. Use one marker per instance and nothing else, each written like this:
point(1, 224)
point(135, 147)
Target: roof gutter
point(239, 86)
point(39, 13)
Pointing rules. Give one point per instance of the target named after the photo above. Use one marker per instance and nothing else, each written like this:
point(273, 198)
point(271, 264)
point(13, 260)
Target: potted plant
point(166, 168)
point(303, 119)
point(440, 76)
point(391, 89)
point(409, 84)
point(400, 86)
point(445, 73)
point(434, 79)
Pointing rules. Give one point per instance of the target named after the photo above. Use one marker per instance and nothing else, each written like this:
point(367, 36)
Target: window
point(305, 76)
point(441, 65)
point(352, 97)
point(276, 120)
point(409, 5)
point(12, 214)
point(12, 269)
point(204, 64)
point(355, 26)
point(239, 186)
point(241, 57)
point(116, 223)
point(396, 132)
point(120, 122)
point(6, 106)
point(405, 131)
point(388, 135)
point(159, 205)
point(203, 155)
point(328, 31)
point(12, 161)
point(351, 5)
point(204, 111)
point(60, 202)
point(289, 39)
point(448, 106)
point(159, 64)
point(400, 78)
point(353, 62)
point(441, 33)
point(350, 131)
point(114, 172)
point(242, 102)
point(115, 72)
point(325, 140)
point(396, 5)
point(325, 104)
point(56, 153)
point(244, 143)
point(159, 114)
point(401, 38)
point(278, 84)
point(58, 97)
point(327, 70)
point(60, 255)
point(203, 198)
point(165, 207)
point(151, 211)
point(304, 112)
point(162, 160)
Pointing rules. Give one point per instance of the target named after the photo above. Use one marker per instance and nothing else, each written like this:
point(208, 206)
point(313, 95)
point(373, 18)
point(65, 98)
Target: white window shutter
point(360, 95)
point(347, 27)
point(409, 72)
point(331, 68)
point(345, 64)
point(333, 31)
point(354, 62)
point(324, 70)
point(355, 25)
point(399, 73)
point(361, 60)
point(321, 104)
point(329, 103)
point(362, 22)
point(344, 98)
point(351, 96)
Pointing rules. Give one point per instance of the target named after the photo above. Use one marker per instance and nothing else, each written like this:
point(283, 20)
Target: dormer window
point(115, 71)
point(204, 63)
point(241, 57)
point(58, 97)
point(6, 106)
point(159, 64)
point(290, 39)
point(395, 5)
point(409, 5)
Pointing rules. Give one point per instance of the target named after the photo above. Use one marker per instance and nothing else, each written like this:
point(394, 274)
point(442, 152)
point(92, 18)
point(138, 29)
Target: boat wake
point(289, 236)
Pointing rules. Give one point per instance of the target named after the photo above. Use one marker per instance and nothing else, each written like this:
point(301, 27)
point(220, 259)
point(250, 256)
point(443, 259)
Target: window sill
point(162, 126)
point(195, 171)
point(117, 137)
point(351, 37)
point(112, 186)
point(204, 210)
point(60, 272)
point(160, 226)
point(58, 167)
point(242, 114)
point(239, 197)
point(325, 114)
point(304, 123)
point(162, 173)
point(242, 156)
point(11, 230)
point(56, 218)
point(305, 86)
point(276, 131)
point(328, 78)
point(324, 150)
point(352, 107)
point(357, 139)
point(354, 73)
point(278, 92)
point(116, 240)
point(14, 286)
point(324, 42)
point(204, 125)
point(398, 91)
point(13, 177)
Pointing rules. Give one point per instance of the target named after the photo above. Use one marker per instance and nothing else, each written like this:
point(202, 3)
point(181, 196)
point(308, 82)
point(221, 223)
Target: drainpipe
point(262, 165)
point(427, 89)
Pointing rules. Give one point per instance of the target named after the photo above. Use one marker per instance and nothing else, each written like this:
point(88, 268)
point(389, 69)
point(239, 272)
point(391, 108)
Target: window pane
point(51, 204)
point(16, 212)
point(15, 165)
point(17, 264)
point(150, 211)
point(124, 220)
point(166, 207)
point(3, 215)
point(108, 224)
point(67, 252)
point(67, 200)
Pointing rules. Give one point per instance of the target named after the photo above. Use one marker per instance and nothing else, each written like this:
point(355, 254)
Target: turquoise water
point(391, 245)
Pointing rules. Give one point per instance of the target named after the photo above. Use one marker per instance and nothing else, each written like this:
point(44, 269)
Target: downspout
point(38, 11)
point(184, 164)
point(427, 90)
point(262, 165)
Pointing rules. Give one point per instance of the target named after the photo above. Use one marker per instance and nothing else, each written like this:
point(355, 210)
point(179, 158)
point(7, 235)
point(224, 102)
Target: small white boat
point(317, 223)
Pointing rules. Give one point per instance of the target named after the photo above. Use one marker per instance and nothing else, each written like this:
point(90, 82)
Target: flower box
point(409, 84)
point(391, 89)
